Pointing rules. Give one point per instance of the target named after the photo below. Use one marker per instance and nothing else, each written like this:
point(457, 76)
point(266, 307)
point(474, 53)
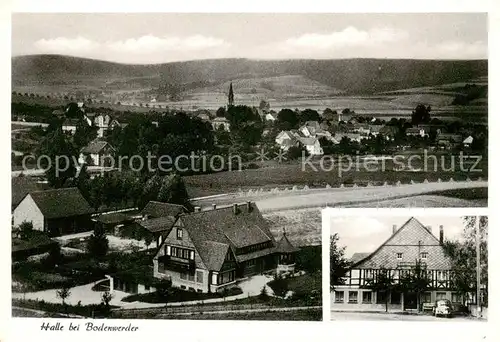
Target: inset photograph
point(408, 268)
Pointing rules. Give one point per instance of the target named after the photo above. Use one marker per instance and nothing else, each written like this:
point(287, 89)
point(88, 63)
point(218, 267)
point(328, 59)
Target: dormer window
point(179, 233)
point(399, 256)
point(423, 255)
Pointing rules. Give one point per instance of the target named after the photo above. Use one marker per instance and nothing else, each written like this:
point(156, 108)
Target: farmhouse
point(56, 212)
point(219, 123)
point(417, 132)
point(97, 153)
point(207, 251)
point(104, 122)
point(69, 125)
point(21, 186)
point(412, 243)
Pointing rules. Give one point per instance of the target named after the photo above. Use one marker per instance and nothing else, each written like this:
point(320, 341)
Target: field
point(290, 174)
point(303, 227)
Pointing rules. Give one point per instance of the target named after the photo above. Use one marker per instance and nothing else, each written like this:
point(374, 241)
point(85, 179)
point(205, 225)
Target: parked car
point(460, 309)
point(443, 308)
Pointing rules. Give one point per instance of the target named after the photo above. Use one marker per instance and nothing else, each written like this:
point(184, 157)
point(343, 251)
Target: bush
point(174, 294)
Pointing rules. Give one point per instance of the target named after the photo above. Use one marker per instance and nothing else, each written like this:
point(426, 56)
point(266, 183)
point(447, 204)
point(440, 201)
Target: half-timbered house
point(411, 244)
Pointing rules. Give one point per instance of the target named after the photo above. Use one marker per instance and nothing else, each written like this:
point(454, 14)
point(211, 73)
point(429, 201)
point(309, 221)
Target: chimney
point(197, 209)
point(394, 228)
point(235, 209)
point(441, 234)
point(429, 228)
point(249, 206)
point(214, 206)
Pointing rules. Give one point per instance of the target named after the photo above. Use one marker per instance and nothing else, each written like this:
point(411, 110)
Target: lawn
point(296, 315)
point(465, 194)
point(178, 295)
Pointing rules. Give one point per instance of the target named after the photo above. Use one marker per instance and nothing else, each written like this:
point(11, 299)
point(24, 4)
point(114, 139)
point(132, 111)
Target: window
point(183, 276)
point(191, 255)
point(367, 297)
point(399, 256)
point(426, 297)
point(199, 277)
point(191, 276)
point(214, 279)
point(456, 298)
point(183, 287)
point(353, 297)
point(199, 291)
point(396, 297)
point(339, 296)
point(167, 250)
point(179, 233)
point(423, 255)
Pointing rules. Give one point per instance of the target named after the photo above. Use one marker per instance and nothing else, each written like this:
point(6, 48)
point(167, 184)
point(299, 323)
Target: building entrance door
point(410, 301)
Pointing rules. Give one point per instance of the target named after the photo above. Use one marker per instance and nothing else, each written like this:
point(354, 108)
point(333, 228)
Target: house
point(272, 117)
point(389, 132)
point(468, 141)
point(97, 153)
point(449, 140)
point(288, 136)
point(375, 129)
point(104, 122)
point(208, 251)
point(351, 136)
point(309, 128)
point(412, 243)
point(221, 122)
point(312, 146)
point(56, 212)
point(21, 186)
point(417, 132)
point(158, 218)
point(69, 125)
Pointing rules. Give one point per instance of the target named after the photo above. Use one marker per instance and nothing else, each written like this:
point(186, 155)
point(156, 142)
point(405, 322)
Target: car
point(443, 308)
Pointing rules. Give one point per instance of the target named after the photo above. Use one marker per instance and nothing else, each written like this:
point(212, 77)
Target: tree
point(25, 229)
point(339, 265)
point(55, 256)
point(84, 134)
point(264, 296)
point(173, 190)
point(280, 285)
point(164, 288)
point(309, 115)
point(287, 119)
point(63, 294)
point(421, 114)
point(383, 283)
point(221, 112)
point(148, 239)
point(416, 281)
point(462, 253)
point(98, 243)
point(105, 300)
point(264, 105)
point(296, 152)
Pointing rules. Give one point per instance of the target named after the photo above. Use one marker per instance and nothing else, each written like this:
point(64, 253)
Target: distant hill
point(350, 76)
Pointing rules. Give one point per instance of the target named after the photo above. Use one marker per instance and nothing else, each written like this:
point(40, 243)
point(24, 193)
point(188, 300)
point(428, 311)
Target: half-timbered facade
point(207, 251)
point(407, 246)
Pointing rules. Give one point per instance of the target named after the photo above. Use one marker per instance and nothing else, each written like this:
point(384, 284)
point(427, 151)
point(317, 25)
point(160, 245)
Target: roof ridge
point(54, 190)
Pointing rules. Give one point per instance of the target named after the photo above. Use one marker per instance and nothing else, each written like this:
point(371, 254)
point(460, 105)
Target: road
point(382, 316)
point(334, 197)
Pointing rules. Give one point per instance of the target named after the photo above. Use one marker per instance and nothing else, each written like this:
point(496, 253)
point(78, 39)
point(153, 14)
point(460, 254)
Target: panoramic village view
point(166, 177)
point(407, 270)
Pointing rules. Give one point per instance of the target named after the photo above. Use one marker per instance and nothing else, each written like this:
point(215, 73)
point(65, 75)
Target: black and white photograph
point(175, 165)
point(409, 268)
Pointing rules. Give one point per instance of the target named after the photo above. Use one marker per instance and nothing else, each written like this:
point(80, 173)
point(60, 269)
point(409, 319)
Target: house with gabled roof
point(412, 243)
point(56, 211)
point(97, 153)
point(208, 251)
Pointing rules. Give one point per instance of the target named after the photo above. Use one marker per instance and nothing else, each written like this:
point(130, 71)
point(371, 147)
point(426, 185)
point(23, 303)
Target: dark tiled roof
point(213, 254)
point(95, 147)
point(21, 186)
point(70, 122)
point(256, 254)
point(158, 224)
point(114, 218)
point(284, 246)
point(159, 209)
point(59, 203)
point(358, 256)
point(411, 239)
point(219, 227)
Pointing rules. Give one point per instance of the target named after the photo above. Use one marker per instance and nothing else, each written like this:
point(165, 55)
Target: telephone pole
point(478, 267)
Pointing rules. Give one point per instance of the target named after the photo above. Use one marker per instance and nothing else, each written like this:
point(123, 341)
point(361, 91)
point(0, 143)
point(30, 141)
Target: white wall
point(28, 211)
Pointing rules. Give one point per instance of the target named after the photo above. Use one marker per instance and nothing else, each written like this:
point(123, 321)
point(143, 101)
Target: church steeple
point(230, 96)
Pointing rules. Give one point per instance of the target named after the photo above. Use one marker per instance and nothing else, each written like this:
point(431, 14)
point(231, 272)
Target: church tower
point(230, 96)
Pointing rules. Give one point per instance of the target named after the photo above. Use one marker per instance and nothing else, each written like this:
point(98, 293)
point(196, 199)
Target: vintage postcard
point(173, 166)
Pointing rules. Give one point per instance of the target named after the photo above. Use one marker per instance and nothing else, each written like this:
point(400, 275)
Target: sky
point(143, 38)
point(364, 234)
